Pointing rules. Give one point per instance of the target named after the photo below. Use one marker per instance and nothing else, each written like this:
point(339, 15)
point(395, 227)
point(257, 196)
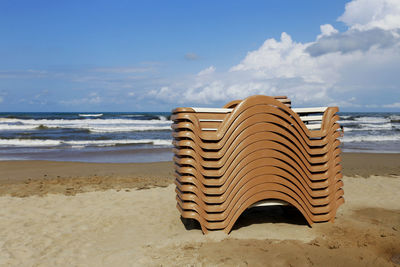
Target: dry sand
point(104, 220)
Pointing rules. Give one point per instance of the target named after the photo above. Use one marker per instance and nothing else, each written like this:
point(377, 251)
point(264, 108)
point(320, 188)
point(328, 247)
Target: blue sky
point(156, 55)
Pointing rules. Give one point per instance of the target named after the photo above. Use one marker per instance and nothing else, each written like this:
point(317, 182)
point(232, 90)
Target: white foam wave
point(395, 118)
point(364, 120)
point(91, 115)
point(162, 118)
point(116, 142)
point(28, 143)
point(94, 125)
point(98, 129)
point(160, 142)
point(348, 129)
point(83, 121)
point(345, 117)
point(370, 138)
point(372, 120)
point(79, 143)
point(127, 129)
point(371, 126)
point(7, 127)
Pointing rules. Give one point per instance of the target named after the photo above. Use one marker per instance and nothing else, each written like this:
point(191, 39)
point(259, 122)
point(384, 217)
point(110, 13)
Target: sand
point(120, 216)
point(367, 164)
point(26, 178)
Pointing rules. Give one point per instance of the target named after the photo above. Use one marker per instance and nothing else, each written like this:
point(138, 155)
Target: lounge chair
point(256, 152)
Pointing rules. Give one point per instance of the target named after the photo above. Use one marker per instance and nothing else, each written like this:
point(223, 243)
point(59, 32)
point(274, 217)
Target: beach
point(195, 133)
point(124, 214)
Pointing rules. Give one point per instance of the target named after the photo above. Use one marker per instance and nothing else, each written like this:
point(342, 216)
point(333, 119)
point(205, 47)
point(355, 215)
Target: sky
point(127, 56)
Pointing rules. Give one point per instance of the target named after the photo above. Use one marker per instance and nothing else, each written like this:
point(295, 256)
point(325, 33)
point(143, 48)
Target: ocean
point(146, 136)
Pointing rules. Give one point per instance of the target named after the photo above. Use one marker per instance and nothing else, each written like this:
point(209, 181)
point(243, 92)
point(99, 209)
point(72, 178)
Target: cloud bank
point(355, 68)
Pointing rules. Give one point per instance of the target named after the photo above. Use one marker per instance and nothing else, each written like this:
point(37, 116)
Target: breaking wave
point(93, 125)
point(55, 143)
point(90, 115)
point(370, 138)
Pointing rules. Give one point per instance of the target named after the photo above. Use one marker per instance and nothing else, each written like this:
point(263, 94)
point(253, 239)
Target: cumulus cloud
point(349, 68)
point(369, 14)
point(277, 67)
point(354, 40)
point(326, 30)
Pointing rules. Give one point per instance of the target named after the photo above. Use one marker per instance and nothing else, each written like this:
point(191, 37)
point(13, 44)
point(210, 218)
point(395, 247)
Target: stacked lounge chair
point(256, 152)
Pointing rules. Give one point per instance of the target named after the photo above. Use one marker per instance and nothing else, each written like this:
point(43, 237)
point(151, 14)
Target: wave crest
point(85, 143)
point(90, 115)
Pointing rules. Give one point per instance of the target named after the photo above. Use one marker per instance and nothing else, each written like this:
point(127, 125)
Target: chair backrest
point(312, 117)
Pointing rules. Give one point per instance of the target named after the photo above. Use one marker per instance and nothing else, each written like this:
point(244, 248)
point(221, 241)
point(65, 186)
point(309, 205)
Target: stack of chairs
point(256, 152)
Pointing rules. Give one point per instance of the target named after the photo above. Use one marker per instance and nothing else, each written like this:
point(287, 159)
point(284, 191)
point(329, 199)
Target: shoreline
point(353, 163)
point(119, 154)
point(129, 154)
point(26, 178)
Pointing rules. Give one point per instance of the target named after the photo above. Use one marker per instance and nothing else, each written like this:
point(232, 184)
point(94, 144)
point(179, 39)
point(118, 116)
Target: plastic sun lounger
point(256, 152)
point(305, 111)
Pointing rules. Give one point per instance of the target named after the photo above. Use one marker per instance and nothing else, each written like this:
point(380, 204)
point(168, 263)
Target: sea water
point(146, 136)
point(89, 137)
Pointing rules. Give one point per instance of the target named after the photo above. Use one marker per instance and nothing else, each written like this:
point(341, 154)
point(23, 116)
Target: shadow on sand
point(259, 215)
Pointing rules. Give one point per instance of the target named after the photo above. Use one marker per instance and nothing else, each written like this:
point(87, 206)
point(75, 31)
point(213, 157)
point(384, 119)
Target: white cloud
point(337, 68)
point(369, 14)
point(283, 59)
point(354, 40)
point(326, 30)
point(1, 99)
point(207, 71)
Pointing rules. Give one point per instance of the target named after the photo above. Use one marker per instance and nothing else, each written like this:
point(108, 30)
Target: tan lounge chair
point(254, 152)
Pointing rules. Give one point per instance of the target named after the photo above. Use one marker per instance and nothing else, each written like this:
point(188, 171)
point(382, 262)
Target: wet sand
point(66, 213)
point(25, 178)
point(367, 164)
